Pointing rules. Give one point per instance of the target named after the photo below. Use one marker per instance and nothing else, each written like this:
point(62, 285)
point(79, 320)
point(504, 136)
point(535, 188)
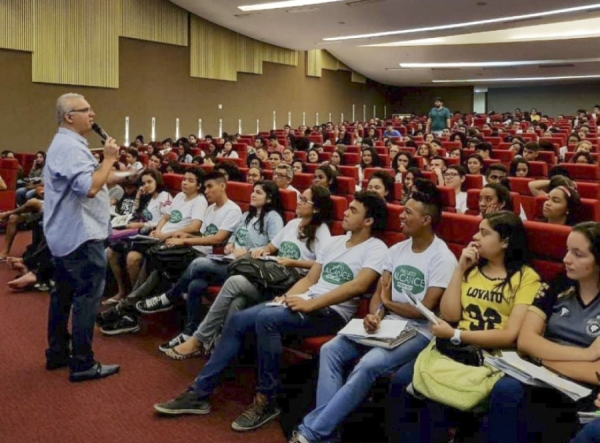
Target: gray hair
point(288, 170)
point(61, 105)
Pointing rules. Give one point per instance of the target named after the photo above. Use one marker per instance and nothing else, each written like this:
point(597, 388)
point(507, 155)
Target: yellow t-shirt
point(485, 308)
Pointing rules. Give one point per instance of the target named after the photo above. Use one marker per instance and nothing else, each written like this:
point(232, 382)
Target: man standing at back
point(76, 224)
point(439, 118)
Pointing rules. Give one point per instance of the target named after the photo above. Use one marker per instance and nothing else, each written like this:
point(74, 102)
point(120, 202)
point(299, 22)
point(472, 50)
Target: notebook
point(390, 335)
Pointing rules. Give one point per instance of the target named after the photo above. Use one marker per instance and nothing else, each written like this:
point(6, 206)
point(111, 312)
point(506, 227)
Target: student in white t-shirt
point(422, 265)
point(295, 246)
point(183, 214)
point(454, 177)
point(255, 228)
point(319, 304)
point(150, 203)
point(227, 151)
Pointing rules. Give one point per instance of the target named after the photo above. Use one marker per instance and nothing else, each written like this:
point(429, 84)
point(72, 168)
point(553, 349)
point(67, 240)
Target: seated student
point(517, 147)
point(401, 163)
point(369, 158)
point(283, 176)
point(27, 213)
point(125, 204)
point(275, 159)
point(562, 206)
point(390, 131)
point(184, 214)
point(438, 166)
point(591, 431)
point(254, 175)
point(494, 197)
point(325, 176)
point(494, 263)
point(131, 160)
point(230, 170)
point(454, 177)
point(531, 151)
point(495, 173)
point(583, 158)
point(319, 304)
point(484, 149)
point(183, 152)
point(475, 164)
point(584, 146)
point(27, 188)
point(519, 167)
point(557, 332)
point(227, 151)
point(423, 265)
point(382, 184)
point(426, 153)
point(411, 176)
point(150, 204)
point(255, 228)
point(288, 155)
point(299, 167)
point(295, 245)
point(312, 157)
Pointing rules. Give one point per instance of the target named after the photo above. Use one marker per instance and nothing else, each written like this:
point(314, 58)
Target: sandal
point(173, 354)
point(111, 301)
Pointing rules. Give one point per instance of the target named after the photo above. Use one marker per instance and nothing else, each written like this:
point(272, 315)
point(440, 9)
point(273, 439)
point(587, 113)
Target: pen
point(381, 307)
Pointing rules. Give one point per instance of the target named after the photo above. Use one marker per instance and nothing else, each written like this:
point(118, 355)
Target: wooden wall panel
point(249, 55)
point(358, 78)
point(16, 24)
point(77, 42)
point(156, 21)
point(213, 51)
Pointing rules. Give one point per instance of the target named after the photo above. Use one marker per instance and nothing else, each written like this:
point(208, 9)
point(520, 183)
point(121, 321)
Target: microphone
point(101, 132)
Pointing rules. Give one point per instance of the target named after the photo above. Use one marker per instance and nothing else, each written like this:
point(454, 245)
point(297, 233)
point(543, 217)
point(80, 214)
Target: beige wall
point(420, 100)
point(155, 82)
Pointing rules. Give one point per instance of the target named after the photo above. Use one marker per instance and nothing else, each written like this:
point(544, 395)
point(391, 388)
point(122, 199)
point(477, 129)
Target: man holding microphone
point(76, 225)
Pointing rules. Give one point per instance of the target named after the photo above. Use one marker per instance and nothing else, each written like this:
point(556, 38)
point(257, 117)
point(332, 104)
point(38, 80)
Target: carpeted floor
point(41, 406)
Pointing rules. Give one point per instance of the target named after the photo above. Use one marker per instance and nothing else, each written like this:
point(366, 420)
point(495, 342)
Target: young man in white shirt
point(319, 304)
point(423, 265)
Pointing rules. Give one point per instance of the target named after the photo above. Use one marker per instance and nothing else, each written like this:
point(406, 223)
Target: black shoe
point(123, 325)
point(153, 305)
point(95, 372)
point(186, 403)
point(262, 411)
point(172, 343)
point(109, 316)
point(56, 361)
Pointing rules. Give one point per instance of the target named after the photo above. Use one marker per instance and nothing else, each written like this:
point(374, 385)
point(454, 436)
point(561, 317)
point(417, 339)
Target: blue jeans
point(24, 194)
point(506, 416)
point(589, 434)
point(269, 324)
point(336, 399)
point(201, 273)
point(80, 279)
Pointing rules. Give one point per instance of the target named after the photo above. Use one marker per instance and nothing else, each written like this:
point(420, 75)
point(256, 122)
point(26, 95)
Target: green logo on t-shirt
point(147, 215)
point(240, 238)
point(337, 273)
point(211, 230)
point(289, 249)
point(409, 278)
point(176, 216)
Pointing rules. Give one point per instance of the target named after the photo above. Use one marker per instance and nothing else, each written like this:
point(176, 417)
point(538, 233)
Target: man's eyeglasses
point(82, 110)
point(278, 175)
point(302, 199)
point(449, 175)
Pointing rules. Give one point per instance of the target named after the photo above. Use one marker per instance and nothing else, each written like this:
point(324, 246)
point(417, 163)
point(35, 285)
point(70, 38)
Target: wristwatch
point(455, 340)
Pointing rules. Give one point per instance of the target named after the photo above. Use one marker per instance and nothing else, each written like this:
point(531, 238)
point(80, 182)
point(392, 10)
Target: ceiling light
point(468, 24)
point(558, 35)
point(495, 64)
point(284, 4)
point(518, 79)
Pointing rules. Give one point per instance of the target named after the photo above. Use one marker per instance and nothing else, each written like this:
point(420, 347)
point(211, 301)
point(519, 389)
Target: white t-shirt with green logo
point(289, 246)
point(217, 219)
point(416, 272)
point(156, 208)
point(182, 212)
point(341, 264)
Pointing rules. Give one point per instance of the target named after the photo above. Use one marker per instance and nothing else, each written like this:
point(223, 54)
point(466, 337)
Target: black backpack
point(267, 275)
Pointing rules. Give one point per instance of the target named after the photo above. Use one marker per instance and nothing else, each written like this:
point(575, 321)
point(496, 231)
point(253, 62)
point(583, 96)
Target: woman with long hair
point(412, 174)
point(561, 206)
point(227, 151)
point(402, 163)
point(327, 177)
point(295, 246)
point(369, 158)
point(488, 298)
point(519, 167)
point(494, 197)
point(382, 184)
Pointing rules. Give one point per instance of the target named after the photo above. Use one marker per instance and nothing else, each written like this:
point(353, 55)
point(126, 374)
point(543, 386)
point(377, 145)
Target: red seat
point(548, 245)
point(346, 187)
point(505, 156)
point(473, 181)
point(302, 181)
point(393, 228)
point(240, 193)
point(538, 169)
point(585, 173)
point(340, 205)
point(457, 230)
point(349, 171)
point(351, 158)
point(8, 171)
point(448, 198)
point(369, 171)
point(547, 156)
point(588, 190)
point(289, 201)
point(173, 183)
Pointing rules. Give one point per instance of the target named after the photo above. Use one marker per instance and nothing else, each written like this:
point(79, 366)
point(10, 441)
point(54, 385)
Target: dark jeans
point(80, 278)
point(269, 324)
